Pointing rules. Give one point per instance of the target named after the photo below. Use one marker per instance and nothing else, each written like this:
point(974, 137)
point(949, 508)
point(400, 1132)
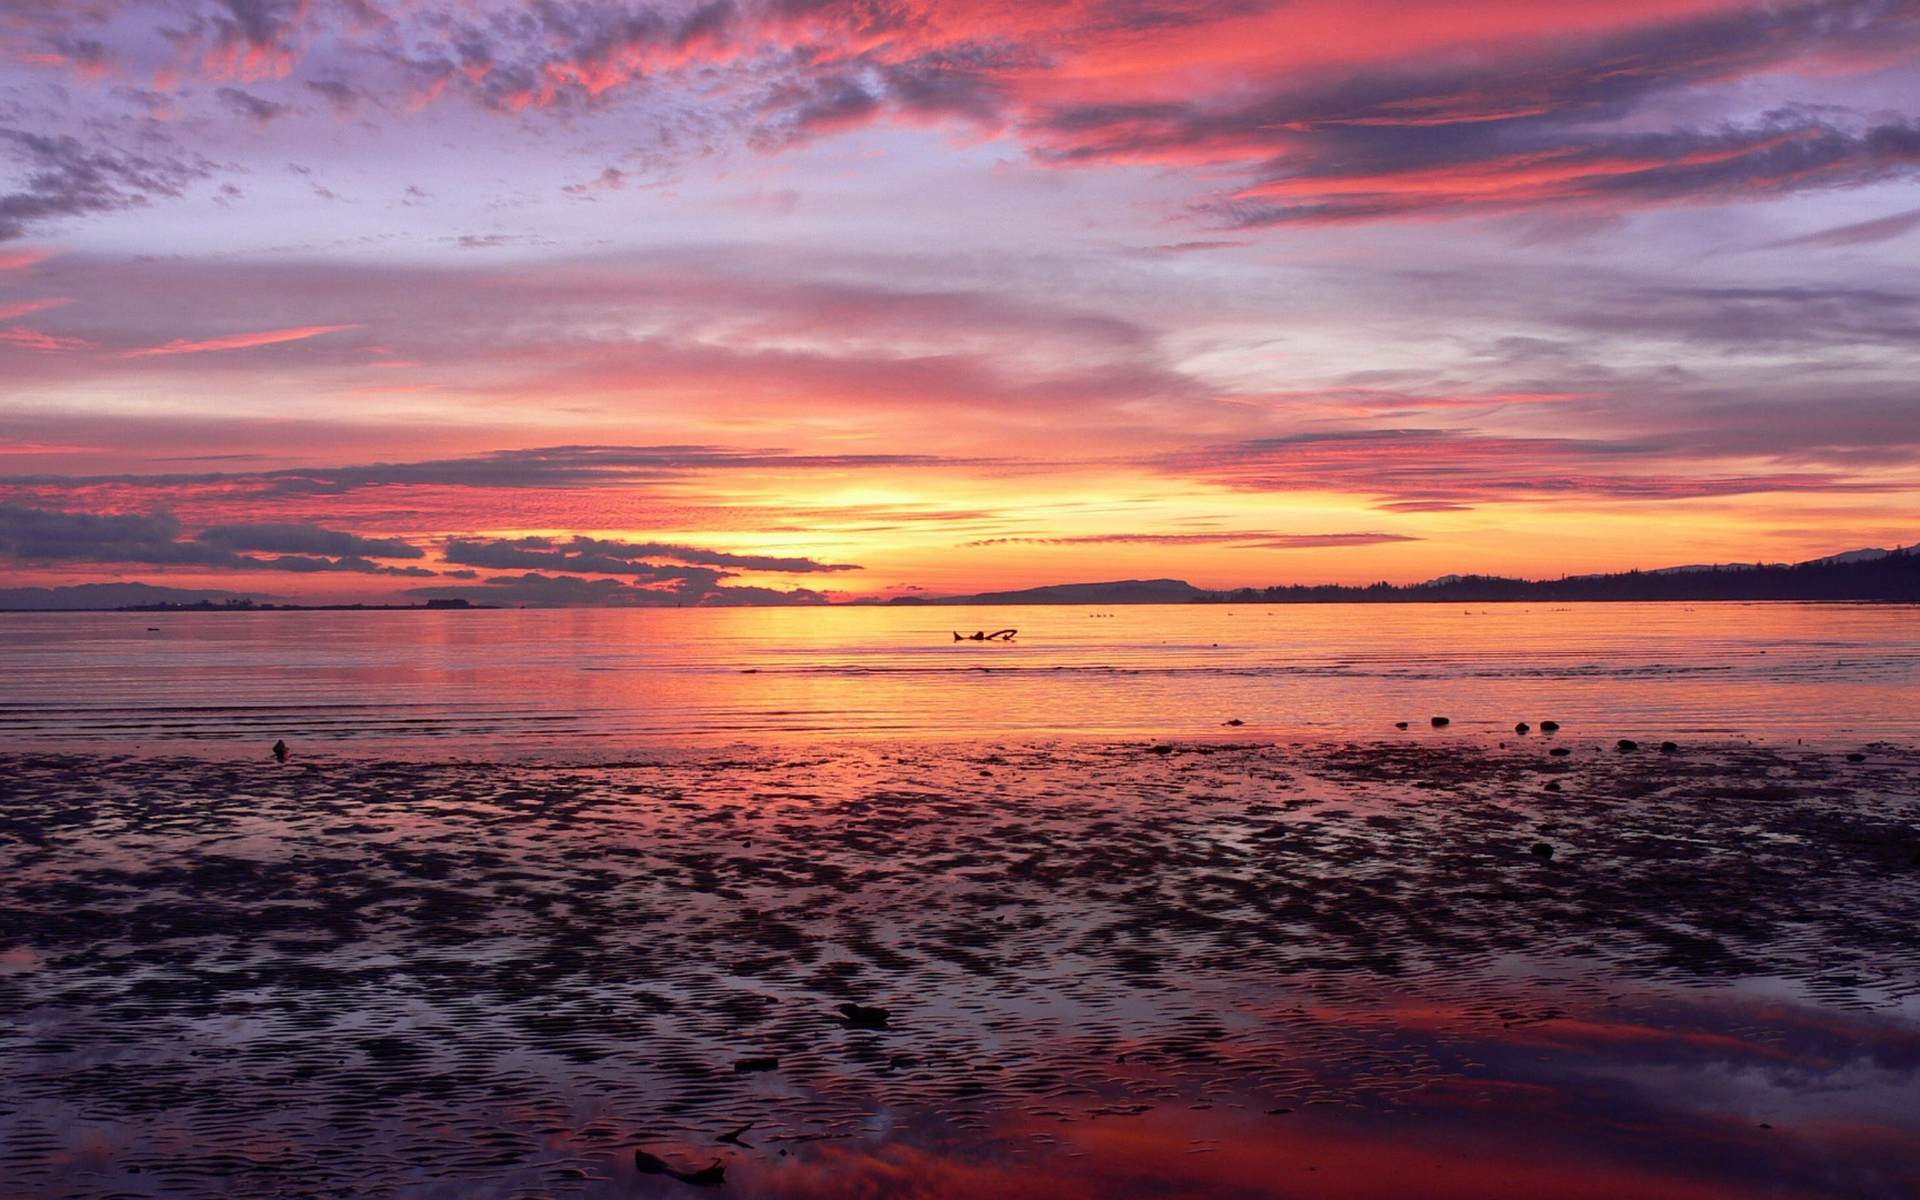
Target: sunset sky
point(612, 301)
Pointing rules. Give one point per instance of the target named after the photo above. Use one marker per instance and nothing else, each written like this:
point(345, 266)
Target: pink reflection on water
point(1572, 1132)
point(588, 681)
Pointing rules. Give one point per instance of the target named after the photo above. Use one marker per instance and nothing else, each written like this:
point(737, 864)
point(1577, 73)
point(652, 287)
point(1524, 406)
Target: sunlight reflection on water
point(599, 680)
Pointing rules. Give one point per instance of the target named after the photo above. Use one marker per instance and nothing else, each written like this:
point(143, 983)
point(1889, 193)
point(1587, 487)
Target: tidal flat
point(1192, 969)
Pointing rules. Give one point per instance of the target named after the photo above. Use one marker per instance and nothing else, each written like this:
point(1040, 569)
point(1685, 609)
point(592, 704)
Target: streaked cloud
point(1424, 468)
point(688, 587)
point(238, 341)
point(1252, 540)
point(68, 177)
point(296, 538)
point(1858, 233)
point(585, 554)
point(32, 536)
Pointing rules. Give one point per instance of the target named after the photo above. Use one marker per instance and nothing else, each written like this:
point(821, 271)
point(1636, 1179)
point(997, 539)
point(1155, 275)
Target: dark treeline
point(1894, 577)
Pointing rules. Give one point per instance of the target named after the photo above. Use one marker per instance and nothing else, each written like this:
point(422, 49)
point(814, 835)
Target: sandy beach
point(1107, 970)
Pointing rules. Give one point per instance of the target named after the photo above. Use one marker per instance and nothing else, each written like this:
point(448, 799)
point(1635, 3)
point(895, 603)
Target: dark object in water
point(1554, 786)
point(978, 635)
point(1627, 744)
point(746, 1066)
point(647, 1164)
point(1400, 724)
point(710, 1176)
point(732, 1136)
point(280, 751)
point(1549, 727)
point(1669, 747)
point(1440, 722)
point(1856, 758)
point(1541, 851)
point(1559, 752)
point(1161, 749)
point(1523, 727)
point(861, 1016)
point(1235, 721)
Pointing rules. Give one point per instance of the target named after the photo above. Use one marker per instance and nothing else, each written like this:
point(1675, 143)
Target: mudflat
point(1067, 970)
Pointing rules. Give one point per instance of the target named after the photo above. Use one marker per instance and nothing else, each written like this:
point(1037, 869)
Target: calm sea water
point(597, 681)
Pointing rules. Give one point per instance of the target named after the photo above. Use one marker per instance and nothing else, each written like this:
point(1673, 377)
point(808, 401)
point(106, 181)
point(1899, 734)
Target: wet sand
point(1207, 969)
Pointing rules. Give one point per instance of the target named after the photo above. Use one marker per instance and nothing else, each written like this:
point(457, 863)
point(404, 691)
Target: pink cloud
point(238, 341)
point(15, 260)
point(33, 339)
point(9, 311)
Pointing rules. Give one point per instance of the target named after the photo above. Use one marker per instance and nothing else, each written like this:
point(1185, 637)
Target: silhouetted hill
point(1856, 575)
point(97, 596)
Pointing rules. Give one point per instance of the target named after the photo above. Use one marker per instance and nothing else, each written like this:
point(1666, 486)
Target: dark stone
point(1163, 749)
point(1627, 744)
point(1541, 851)
point(280, 751)
point(1523, 727)
point(1441, 722)
point(1236, 721)
point(861, 1016)
point(1549, 727)
point(1559, 752)
point(1669, 747)
point(1856, 758)
point(747, 1065)
point(647, 1164)
point(1400, 724)
point(1553, 787)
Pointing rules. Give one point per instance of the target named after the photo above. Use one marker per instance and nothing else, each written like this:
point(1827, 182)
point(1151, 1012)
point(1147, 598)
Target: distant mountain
point(1123, 591)
point(1871, 574)
point(95, 596)
point(1853, 556)
point(1856, 575)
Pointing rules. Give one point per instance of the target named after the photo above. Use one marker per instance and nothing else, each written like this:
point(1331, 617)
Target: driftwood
point(998, 635)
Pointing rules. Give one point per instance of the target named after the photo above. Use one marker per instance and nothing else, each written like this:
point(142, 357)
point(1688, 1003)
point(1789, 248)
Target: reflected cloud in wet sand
point(1115, 970)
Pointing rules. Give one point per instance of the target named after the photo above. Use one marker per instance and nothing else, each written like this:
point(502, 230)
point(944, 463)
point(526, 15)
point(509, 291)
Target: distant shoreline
point(1859, 576)
point(968, 602)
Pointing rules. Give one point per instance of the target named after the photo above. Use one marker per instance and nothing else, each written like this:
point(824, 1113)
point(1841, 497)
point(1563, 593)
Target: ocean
point(596, 682)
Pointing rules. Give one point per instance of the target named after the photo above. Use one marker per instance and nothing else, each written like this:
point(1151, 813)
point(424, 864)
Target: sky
point(738, 301)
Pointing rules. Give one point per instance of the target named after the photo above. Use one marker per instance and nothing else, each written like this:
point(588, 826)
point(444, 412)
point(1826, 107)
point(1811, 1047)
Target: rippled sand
point(1220, 970)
